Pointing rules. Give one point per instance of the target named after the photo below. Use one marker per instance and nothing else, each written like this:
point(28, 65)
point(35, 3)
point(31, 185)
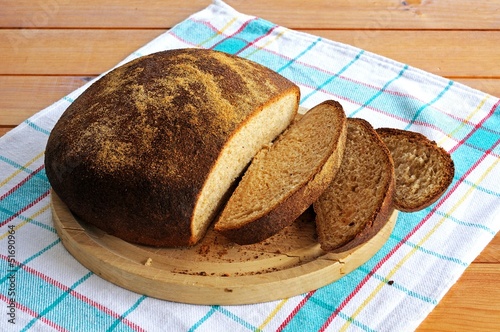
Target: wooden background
point(51, 47)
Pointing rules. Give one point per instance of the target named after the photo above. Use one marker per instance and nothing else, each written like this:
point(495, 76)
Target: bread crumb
point(148, 261)
point(204, 250)
point(222, 252)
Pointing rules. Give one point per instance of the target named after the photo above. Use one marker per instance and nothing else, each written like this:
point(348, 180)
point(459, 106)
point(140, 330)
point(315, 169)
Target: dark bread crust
point(274, 219)
point(132, 153)
point(378, 217)
point(412, 140)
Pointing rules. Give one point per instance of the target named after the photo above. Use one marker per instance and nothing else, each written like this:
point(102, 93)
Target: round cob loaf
point(149, 151)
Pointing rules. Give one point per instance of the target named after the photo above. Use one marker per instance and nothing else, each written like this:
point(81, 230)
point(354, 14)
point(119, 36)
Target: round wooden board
point(215, 271)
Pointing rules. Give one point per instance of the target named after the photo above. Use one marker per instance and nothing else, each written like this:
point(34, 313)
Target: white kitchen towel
point(44, 288)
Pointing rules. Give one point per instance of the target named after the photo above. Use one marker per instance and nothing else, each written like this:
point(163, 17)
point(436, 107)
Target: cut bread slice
point(359, 201)
point(423, 170)
point(285, 178)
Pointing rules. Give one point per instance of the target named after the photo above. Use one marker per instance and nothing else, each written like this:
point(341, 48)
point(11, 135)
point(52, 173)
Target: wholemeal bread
point(423, 170)
point(284, 179)
point(149, 151)
point(359, 201)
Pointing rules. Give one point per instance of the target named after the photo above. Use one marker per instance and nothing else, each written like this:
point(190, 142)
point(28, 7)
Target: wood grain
point(490, 253)
point(323, 14)
point(4, 130)
point(23, 96)
point(454, 38)
point(470, 304)
point(488, 85)
point(67, 52)
point(440, 52)
point(86, 52)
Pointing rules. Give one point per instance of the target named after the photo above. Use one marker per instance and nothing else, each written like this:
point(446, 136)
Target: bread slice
point(423, 170)
point(149, 152)
point(359, 201)
point(284, 179)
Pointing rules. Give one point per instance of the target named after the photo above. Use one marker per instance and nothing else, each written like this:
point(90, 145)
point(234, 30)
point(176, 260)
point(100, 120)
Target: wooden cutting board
point(215, 271)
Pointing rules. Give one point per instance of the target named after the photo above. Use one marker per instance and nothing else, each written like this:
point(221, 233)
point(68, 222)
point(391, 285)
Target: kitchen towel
point(44, 288)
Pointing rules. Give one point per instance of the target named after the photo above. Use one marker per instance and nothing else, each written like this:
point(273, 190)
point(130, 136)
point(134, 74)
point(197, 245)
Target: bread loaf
point(284, 179)
point(149, 151)
point(359, 201)
point(423, 170)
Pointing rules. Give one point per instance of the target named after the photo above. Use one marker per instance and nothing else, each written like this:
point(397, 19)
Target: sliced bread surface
point(423, 169)
point(149, 151)
point(358, 202)
point(284, 179)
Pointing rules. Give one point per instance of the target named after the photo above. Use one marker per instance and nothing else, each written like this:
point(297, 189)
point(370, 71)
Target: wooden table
point(50, 47)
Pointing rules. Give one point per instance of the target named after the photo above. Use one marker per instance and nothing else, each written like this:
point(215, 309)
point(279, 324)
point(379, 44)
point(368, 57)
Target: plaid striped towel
point(44, 288)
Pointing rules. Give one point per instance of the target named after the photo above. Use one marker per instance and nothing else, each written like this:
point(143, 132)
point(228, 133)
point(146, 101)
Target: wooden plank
point(324, 14)
point(440, 52)
point(488, 85)
point(490, 254)
point(68, 52)
point(23, 96)
point(96, 14)
point(4, 130)
point(85, 52)
point(469, 304)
